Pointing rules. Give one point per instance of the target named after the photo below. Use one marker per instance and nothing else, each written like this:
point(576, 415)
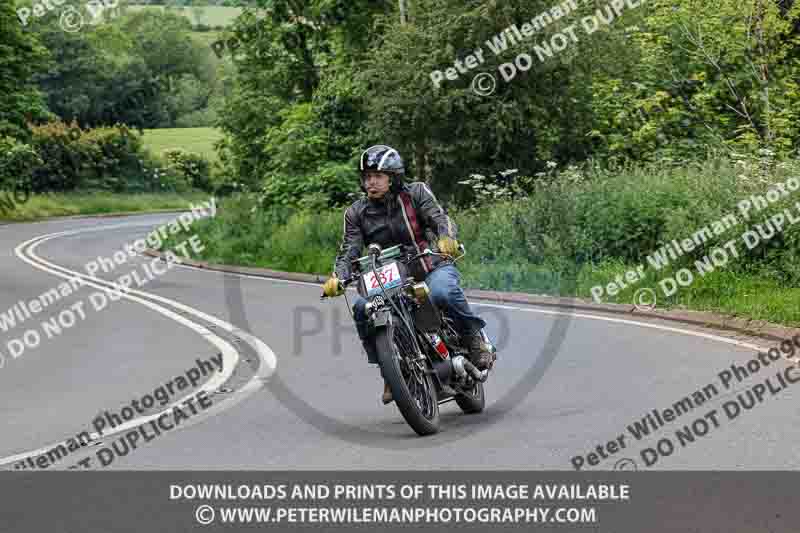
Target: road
point(296, 391)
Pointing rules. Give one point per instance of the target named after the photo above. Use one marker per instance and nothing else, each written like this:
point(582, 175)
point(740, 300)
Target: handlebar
point(427, 252)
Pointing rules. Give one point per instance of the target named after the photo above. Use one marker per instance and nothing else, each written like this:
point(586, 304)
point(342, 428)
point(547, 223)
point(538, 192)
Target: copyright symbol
point(71, 19)
point(644, 299)
point(484, 84)
point(625, 464)
point(204, 515)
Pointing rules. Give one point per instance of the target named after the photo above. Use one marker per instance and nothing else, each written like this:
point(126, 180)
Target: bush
point(64, 157)
point(106, 158)
point(169, 180)
point(17, 161)
point(116, 163)
point(577, 219)
point(192, 167)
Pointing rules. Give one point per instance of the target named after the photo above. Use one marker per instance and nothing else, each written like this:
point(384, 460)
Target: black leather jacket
point(413, 216)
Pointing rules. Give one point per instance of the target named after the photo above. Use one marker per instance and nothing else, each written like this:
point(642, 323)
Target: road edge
point(702, 319)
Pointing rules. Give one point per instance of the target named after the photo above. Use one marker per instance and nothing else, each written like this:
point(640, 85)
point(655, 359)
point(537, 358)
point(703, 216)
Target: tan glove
point(332, 287)
point(448, 246)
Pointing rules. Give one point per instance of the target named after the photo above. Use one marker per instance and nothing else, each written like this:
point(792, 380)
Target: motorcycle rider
point(393, 212)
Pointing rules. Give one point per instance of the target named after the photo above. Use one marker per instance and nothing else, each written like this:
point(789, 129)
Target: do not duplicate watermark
point(154, 422)
point(59, 322)
point(717, 257)
point(703, 422)
point(485, 83)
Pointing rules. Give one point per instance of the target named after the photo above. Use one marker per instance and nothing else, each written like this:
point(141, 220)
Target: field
point(206, 37)
point(208, 15)
point(199, 140)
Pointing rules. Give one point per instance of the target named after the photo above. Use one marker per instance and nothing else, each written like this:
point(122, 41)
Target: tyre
point(474, 402)
point(412, 388)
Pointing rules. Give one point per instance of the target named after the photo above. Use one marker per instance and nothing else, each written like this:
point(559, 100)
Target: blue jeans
point(446, 294)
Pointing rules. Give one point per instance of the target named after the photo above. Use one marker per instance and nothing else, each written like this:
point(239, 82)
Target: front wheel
point(412, 387)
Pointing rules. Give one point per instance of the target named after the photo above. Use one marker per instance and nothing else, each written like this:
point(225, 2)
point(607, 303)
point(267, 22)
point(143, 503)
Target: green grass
point(307, 242)
point(206, 37)
point(41, 206)
point(208, 15)
point(200, 140)
point(571, 234)
point(747, 295)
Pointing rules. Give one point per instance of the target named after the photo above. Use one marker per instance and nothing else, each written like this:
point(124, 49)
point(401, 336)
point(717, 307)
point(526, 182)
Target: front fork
point(383, 318)
point(367, 330)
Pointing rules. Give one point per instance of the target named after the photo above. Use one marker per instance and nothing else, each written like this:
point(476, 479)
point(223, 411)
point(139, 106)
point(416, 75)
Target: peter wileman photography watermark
point(74, 16)
point(718, 257)
point(485, 83)
point(71, 18)
point(655, 420)
point(154, 423)
point(68, 317)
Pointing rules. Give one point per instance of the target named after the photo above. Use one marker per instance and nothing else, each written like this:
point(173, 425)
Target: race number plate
point(389, 276)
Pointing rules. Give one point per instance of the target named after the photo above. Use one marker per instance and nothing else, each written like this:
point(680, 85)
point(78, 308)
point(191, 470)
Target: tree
point(143, 70)
point(21, 57)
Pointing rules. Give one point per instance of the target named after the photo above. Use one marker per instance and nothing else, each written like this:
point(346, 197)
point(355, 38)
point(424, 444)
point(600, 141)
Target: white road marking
point(266, 355)
point(229, 354)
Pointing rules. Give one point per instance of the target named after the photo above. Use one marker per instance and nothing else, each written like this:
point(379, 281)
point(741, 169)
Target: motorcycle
point(419, 351)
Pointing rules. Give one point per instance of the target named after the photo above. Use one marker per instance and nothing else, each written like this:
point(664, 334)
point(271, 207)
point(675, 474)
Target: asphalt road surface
point(295, 390)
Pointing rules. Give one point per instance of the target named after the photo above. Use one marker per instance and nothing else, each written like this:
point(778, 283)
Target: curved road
point(296, 391)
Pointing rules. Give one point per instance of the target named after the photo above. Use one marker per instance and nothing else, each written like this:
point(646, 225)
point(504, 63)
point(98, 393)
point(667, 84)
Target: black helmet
point(382, 158)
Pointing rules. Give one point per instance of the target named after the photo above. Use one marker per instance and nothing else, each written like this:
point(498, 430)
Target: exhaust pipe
point(462, 366)
point(478, 375)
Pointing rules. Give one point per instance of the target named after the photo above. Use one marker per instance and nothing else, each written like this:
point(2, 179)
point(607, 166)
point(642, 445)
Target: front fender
point(382, 318)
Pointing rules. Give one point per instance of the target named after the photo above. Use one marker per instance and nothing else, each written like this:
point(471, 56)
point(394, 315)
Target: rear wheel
point(413, 388)
point(474, 401)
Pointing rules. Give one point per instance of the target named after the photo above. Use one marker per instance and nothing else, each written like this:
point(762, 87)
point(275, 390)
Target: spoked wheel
point(474, 401)
point(412, 387)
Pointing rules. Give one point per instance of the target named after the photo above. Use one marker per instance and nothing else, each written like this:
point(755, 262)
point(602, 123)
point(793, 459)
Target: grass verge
point(576, 232)
point(41, 206)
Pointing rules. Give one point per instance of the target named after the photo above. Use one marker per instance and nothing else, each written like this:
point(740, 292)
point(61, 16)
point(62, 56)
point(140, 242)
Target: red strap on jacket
point(410, 216)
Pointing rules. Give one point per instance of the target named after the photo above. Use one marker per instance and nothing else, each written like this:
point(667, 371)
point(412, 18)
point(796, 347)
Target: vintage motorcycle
point(419, 352)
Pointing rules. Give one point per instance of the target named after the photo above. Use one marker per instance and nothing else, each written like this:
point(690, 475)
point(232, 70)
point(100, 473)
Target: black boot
point(367, 342)
point(479, 354)
point(387, 394)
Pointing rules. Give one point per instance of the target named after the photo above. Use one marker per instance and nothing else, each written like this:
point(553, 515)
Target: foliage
point(17, 161)
point(719, 73)
point(574, 229)
point(331, 185)
point(140, 69)
point(106, 158)
point(194, 168)
point(21, 56)
point(289, 112)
